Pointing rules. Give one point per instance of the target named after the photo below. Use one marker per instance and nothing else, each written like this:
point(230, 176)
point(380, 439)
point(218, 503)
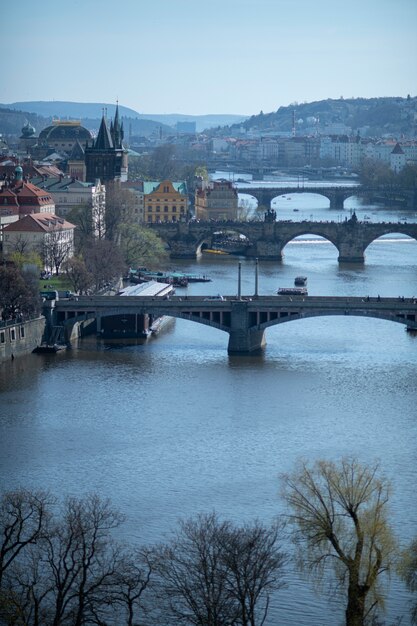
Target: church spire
point(104, 139)
point(117, 129)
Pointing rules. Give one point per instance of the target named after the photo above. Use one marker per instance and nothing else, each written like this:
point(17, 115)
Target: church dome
point(28, 130)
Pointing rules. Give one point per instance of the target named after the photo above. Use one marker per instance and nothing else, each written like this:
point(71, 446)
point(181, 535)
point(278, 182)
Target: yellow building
point(165, 201)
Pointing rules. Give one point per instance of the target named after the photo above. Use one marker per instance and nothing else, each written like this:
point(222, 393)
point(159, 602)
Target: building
point(106, 158)
point(28, 138)
point(60, 137)
point(217, 200)
point(50, 236)
point(71, 194)
point(165, 201)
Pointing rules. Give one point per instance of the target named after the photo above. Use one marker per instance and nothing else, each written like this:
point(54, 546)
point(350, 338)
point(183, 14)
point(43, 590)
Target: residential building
point(217, 200)
point(19, 198)
point(45, 233)
point(70, 194)
point(165, 201)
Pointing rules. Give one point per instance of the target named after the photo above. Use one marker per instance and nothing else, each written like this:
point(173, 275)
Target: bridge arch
point(281, 200)
point(324, 237)
point(397, 234)
point(307, 315)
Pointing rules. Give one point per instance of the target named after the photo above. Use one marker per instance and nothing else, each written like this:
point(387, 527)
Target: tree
point(339, 517)
point(408, 572)
point(18, 293)
point(255, 563)
point(103, 261)
point(23, 516)
point(214, 573)
point(56, 248)
point(140, 246)
point(120, 209)
point(78, 275)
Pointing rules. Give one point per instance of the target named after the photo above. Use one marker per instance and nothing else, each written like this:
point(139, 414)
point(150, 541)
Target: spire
point(104, 139)
point(117, 129)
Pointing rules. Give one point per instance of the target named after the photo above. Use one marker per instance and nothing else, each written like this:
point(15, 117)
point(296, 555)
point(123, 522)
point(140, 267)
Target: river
point(174, 426)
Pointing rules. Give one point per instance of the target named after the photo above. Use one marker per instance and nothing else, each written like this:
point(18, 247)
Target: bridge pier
point(243, 340)
point(350, 252)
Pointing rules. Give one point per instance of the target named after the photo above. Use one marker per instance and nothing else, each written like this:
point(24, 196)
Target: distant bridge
point(336, 195)
point(268, 239)
point(244, 319)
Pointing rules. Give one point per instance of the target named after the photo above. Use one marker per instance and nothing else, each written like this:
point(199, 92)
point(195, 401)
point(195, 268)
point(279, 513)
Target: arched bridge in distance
point(335, 194)
point(267, 239)
point(244, 319)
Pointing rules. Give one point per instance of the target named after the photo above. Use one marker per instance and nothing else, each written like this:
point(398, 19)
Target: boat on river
point(292, 291)
point(300, 281)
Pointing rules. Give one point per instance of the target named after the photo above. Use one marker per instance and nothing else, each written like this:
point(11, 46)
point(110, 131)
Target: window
point(165, 209)
point(12, 334)
point(158, 209)
point(22, 332)
point(174, 209)
point(2, 337)
point(149, 209)
point(149, 218)
point(182, 209)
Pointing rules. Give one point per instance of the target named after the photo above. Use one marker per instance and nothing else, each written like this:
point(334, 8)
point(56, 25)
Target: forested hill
point(371, 116)
point(91, 111)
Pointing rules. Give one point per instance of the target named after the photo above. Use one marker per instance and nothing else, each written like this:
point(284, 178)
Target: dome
point(65, 131)
point(18, 172)
point(28, 130)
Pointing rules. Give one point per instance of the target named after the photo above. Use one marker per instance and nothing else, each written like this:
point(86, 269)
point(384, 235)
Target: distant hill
point(93, 110)
point(374, 117)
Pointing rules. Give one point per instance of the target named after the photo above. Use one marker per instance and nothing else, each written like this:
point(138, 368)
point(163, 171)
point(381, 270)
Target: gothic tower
point(106, 158)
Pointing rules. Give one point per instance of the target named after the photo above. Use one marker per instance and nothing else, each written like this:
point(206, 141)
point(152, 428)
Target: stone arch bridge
point(336, 195)
point(244, 319)
point(268, 239)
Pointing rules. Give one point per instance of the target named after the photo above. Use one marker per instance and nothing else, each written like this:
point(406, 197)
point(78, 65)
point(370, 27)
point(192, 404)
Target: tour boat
point(292, 291)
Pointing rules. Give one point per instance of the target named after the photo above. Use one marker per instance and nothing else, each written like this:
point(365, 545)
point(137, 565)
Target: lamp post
point(256, 276)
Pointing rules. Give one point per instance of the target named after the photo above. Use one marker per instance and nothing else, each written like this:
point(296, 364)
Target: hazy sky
point(212, 56)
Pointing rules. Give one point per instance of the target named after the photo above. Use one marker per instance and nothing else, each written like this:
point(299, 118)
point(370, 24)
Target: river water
point(175, 426)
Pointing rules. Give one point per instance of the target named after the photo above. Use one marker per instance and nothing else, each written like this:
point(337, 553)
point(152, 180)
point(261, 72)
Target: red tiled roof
point(39, 222)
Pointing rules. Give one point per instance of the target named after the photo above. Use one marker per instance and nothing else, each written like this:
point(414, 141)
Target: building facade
point(165, 201)
point(48, 235)
point(217, 200)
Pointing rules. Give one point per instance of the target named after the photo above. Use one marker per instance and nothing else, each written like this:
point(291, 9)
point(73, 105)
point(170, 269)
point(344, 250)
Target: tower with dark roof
point(106, 158)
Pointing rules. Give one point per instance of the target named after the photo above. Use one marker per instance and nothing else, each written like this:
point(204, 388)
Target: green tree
point(339, 513)
point(140, 246)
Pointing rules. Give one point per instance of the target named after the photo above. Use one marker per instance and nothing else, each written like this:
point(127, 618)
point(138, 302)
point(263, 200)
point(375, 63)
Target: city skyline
point(235, 56)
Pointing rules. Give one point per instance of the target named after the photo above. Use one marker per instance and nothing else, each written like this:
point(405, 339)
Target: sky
point(210, 56)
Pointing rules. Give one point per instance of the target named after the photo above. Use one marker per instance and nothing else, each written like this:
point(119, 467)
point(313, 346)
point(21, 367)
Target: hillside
point(373, 117)
point(93, 111)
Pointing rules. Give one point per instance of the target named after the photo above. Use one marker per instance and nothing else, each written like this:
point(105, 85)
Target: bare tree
point(23, 515)
point(214, 573)
point(78, 275)
point(255, 563)
point(408, 572)
point(56, 248)
point(103, 261)
point(339, 516)
point(80, 557)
